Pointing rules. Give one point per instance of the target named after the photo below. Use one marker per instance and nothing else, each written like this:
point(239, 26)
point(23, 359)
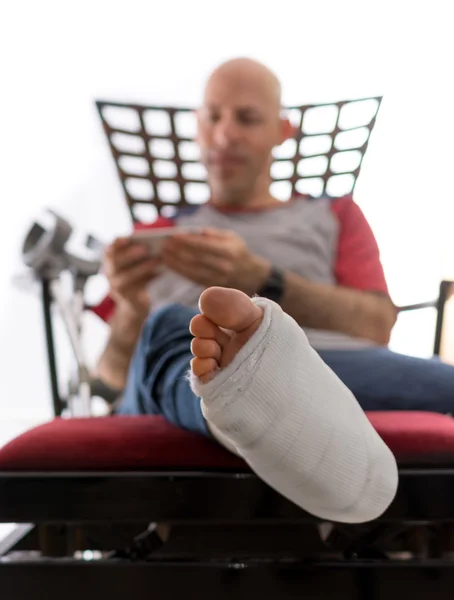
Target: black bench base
point(231, 536)
point(117, 580)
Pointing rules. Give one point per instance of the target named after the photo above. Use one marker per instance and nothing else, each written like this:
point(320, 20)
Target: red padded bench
point(148, 447)
point(109, 471)
point(150, 443)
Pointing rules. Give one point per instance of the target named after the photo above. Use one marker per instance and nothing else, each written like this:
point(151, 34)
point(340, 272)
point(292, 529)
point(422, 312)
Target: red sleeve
point(358, 262)
point(106, 308)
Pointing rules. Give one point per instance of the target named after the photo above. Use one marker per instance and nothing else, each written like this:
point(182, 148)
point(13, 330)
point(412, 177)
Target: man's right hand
point(129, 270)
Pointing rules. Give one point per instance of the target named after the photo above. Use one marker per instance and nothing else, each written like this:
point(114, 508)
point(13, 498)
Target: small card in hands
point(154, 238)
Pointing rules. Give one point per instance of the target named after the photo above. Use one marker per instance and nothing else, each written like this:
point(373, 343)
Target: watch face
point(274, 287)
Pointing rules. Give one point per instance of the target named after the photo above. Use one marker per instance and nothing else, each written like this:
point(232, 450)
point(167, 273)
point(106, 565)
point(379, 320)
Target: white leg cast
point(298, 426)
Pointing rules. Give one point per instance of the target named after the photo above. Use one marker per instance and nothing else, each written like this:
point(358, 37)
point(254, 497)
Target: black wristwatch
point(274, 286)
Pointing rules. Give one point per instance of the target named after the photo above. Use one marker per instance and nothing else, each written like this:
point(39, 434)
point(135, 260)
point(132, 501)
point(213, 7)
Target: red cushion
point(113, 444)
point(150, 443)
point(416, 437)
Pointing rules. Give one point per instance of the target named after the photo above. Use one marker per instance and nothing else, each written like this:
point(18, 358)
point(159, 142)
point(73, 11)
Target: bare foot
point(228, 321)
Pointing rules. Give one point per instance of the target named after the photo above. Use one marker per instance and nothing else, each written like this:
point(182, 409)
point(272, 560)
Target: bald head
point(243, 75)
point(239, 124)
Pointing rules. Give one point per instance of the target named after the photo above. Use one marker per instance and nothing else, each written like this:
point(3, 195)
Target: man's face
point(238, 126)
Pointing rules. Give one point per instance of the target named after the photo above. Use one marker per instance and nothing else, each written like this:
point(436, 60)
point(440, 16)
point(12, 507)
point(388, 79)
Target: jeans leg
point(157, 381)
point(384, 380)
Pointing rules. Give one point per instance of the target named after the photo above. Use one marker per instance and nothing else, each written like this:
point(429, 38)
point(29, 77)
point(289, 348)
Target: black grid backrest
point(157, 158)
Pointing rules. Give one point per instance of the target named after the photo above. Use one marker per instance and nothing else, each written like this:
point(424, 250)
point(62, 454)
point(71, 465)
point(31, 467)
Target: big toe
point(228, 308)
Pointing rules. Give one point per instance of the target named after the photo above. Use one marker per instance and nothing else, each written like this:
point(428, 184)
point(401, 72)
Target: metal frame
point(142, 126)
point(46, 300)
point(446, 290)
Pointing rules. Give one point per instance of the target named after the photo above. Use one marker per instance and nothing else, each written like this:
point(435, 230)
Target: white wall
point(57, 57)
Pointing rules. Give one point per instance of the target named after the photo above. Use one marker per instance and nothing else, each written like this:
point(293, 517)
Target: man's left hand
point(216, 257)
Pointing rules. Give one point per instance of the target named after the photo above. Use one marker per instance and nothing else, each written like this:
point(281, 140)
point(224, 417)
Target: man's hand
point(216, 257)
point(129, 271)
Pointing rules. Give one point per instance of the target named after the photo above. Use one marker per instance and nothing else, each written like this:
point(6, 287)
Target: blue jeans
point(157, 382)
point(379, 378)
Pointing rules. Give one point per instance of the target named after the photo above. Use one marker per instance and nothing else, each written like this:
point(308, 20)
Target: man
point(267, 395)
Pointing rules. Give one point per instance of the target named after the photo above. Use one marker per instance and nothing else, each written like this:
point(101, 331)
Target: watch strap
point(274, 286)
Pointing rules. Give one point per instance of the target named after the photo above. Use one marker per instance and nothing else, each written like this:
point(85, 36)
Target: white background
point(58, 57)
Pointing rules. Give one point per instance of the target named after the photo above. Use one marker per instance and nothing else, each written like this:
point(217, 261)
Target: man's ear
point(287, 130)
